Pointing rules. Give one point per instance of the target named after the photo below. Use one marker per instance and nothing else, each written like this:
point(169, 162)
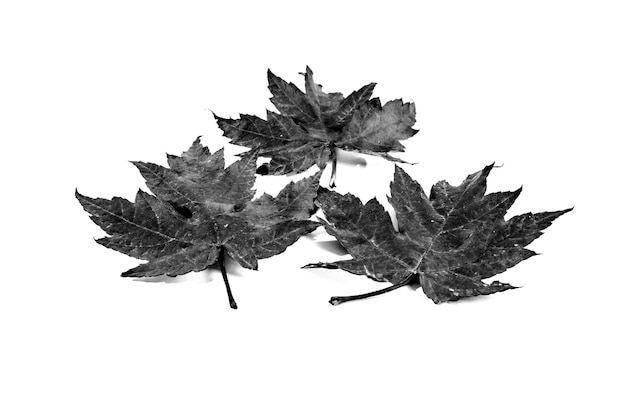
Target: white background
point(536, 86)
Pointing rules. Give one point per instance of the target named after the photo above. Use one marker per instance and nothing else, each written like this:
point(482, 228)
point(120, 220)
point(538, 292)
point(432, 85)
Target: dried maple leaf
point(448, 243)
point(311, 125)
point(201, 211)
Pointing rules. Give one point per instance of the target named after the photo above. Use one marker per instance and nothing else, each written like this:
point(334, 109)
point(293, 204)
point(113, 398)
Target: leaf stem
point(333, 158)
point(339, 300)
point(231, 299)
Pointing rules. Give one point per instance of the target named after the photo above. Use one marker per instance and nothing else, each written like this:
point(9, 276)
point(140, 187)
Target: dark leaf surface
point(312, 123)
point(199, 208)
point(448, 243)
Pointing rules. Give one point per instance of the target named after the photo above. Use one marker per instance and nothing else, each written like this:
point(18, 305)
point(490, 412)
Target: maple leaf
point(448, 243)
point(311, 125)
point(201, 211)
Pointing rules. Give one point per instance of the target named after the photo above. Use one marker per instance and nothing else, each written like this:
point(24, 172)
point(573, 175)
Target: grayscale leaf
point(448, 243)
point(311, 125)
point(201, 211)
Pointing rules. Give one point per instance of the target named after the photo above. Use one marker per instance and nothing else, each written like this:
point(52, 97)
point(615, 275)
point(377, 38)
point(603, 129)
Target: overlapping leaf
point(448, 243)
point(199, 211)
point(310, 125)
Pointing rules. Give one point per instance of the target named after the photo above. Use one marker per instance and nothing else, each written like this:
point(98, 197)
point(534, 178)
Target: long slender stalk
point(339, 300)
point(333, 158)
point(231, 299)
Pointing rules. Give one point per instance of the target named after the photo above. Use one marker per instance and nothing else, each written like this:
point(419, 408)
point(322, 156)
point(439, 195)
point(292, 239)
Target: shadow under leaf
point(347, 157)
point(332, 246)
